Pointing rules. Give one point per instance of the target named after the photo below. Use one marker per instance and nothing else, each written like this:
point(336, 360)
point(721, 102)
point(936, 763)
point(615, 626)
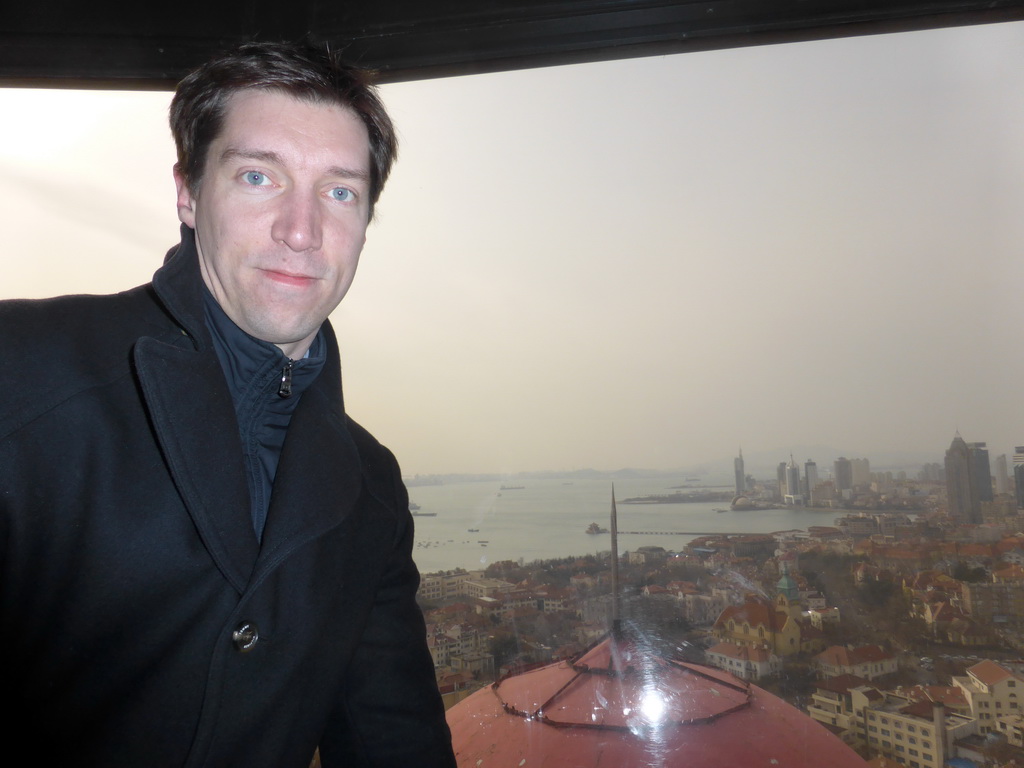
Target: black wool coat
point(141, 623)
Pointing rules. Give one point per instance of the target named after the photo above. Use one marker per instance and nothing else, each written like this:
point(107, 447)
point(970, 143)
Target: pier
point(685, 533)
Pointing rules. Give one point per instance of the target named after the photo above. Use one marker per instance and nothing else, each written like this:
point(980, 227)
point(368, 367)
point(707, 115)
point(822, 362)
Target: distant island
point(679, 497)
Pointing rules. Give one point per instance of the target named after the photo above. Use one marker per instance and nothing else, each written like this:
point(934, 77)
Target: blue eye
point(343, 195)
point(255, 178)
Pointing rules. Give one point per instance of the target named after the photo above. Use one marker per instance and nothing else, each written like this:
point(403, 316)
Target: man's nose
point(297, 223)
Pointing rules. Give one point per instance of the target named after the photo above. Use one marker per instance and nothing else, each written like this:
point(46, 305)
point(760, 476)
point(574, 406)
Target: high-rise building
point(741, 476)
point(967, 475)
point(780, 476)
point(981, 469)
point(1002, 475)
point(810, 479)
point(793, 482)
point(958, 480)
point(860, 471)
point(843, 469)
point(1018, 474)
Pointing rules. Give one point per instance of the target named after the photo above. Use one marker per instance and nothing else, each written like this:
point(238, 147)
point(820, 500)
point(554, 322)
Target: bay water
point(471, 524)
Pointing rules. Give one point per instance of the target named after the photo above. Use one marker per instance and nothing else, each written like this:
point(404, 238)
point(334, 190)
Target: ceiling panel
point(131, 45)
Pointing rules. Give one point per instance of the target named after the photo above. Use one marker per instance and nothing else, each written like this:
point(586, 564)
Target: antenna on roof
point(615, 565)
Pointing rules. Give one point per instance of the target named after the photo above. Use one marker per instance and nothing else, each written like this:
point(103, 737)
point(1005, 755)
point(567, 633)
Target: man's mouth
point(289, 278)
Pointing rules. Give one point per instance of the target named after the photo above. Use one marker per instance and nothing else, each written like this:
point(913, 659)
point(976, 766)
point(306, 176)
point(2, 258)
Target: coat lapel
point(195, 423)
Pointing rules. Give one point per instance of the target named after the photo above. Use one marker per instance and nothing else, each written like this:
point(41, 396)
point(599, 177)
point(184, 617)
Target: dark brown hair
point(199, 106)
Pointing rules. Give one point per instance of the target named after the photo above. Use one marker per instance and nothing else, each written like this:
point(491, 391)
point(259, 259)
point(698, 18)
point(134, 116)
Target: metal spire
point(615, 564)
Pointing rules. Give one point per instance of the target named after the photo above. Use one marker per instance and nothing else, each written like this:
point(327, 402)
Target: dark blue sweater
point(266, 387)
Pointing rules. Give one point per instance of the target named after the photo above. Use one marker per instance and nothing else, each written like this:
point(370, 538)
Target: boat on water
point(424, 514)
point(512, 487)
point(473, 530)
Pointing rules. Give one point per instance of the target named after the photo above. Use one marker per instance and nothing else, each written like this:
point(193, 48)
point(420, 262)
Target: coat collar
point(178, 284)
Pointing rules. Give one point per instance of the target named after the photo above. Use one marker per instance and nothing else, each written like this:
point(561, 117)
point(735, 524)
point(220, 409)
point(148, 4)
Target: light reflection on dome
point(653, 706)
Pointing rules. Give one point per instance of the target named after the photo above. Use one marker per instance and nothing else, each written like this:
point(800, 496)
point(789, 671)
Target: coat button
point(245, 637)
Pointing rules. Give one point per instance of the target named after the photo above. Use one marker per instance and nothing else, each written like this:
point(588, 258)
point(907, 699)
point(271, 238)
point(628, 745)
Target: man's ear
point(186, 200)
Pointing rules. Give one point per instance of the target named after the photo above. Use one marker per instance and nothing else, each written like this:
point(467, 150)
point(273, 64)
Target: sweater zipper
point(285, 387)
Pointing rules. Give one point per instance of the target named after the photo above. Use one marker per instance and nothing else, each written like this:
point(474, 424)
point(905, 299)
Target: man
point(203, 560)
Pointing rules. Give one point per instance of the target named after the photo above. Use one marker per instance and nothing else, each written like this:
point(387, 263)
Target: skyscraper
point(843, 469)
point(1018, 474)
point(1002, 475)
point(811, 480)
point(793, 494)
point(968, 480)
point(741, 477)
point(981, 469)
point(860, 473)
point(958, 480)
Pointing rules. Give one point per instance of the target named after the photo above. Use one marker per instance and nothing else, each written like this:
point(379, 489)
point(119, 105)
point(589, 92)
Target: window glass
point(614, 281)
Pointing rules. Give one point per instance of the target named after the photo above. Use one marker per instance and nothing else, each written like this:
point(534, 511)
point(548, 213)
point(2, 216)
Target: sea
point(472, 523)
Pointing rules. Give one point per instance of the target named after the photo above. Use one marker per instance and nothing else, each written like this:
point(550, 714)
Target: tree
point(964, 572)
point(503, 646)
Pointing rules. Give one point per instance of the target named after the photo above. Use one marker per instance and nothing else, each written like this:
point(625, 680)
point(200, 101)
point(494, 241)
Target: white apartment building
point(445, 585)
point(823, 617)
point(918, 735)
point(832, 705)
point(867, 661)
point(992, 691)
point(914, 734)
point(746, 663)
point(1012, 727)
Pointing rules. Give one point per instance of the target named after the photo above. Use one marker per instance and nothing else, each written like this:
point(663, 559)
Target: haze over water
point(639, 263)
point(547, 518)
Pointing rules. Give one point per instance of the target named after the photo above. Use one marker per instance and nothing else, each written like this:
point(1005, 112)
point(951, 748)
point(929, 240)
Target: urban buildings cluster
point(898, 626)
point(971, 484)
point(805, 485)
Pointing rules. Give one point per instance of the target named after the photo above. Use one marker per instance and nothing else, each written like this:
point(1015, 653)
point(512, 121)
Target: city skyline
point(643, 263)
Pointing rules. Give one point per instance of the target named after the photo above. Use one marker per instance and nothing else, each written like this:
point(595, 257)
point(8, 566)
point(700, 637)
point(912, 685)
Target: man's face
point(281, 214)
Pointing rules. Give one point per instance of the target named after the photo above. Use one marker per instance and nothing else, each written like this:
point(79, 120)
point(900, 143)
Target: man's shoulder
point(375, 456)
point(379, 466)
point(68, 320)
point(54, 347)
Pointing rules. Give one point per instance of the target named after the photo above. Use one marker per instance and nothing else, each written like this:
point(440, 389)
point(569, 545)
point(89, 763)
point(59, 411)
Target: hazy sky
point(644, 263)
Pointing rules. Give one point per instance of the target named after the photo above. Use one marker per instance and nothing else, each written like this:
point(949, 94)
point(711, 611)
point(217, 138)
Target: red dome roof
point(618, 706)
